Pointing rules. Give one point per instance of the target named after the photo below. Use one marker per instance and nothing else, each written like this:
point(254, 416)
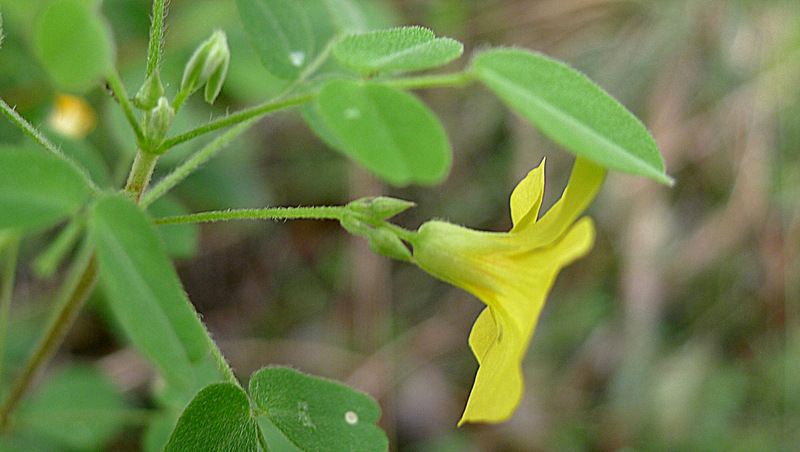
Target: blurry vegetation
point(680, 331)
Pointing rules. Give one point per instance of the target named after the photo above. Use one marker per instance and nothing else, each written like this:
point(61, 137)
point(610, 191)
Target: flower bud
point(208, 59)
point(214, 84)
point(387, 243)
point(382, 241)
point(157, 122)
point(150, 92)
point(381, 207)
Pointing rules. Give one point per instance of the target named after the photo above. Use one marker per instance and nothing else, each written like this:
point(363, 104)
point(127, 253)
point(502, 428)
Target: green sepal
point(150, 92)
point(157, 121)
point(380, 207)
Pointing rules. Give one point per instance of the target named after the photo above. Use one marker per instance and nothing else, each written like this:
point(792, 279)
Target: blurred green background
point(680, 331)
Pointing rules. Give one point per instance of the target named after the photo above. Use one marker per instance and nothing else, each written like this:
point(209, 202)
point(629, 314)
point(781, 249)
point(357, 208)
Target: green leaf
point(388, 131)
point(571, 110)
point(37, 189)
point(173, 399)
point(217, 419)
point(78, 406)
point(280, 34)
point(318, 414)
point(74, 44)
point(143, 290)
point(397, 49)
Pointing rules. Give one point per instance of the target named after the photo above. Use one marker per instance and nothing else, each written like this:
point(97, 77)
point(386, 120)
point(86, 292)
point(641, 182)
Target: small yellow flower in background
point(72, 117)
point(512, 273)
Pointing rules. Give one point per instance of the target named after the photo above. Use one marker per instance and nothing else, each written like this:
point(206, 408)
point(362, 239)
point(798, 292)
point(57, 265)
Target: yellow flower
point(72, 117)
point(512, 273)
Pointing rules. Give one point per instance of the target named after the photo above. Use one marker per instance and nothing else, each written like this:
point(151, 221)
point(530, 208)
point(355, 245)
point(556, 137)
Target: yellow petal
point(498, 384)
point(502, 333)
point(526, 199)
point(483, 334)
point(583, 185)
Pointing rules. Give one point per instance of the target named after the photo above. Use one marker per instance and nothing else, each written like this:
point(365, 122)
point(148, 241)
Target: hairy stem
point(192, 163)
point(141, 172)
point(156, 36)
point(43, 141)
point(76, 288)
point(28, 128)
point(121, 94)
point(235, 118)
point(270, 213)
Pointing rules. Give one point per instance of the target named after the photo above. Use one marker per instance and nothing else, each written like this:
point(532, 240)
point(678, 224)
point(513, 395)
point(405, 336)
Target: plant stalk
point(76, 288)
point(156, 36)
point(141, 172)
point(270, 213)
point(121, 94)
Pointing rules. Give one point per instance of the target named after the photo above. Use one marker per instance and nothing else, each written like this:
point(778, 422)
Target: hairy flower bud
point(150, 92)
point(157, 122)
point(381, 207)
point(381, 240)
point(387, 243)
point(210, 60)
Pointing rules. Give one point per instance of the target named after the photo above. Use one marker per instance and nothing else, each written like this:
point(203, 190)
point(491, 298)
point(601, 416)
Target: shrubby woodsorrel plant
point(351, 82)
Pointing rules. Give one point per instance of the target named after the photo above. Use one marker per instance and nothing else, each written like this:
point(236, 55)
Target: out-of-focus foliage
point(681, 330)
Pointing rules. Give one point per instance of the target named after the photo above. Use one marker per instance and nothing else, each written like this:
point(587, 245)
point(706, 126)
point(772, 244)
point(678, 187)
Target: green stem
point(45, 264)
point(76, 288)
point(192, 163)
point(180, 98)
point(118, 88)
point(270, 213)
point(222, 363)
point(141, 172)
point(6, 292)
point(235, 118)
point(28, 128)
point(431, 81)
point(156, 36)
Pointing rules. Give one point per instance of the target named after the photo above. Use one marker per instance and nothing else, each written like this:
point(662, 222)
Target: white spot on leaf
point(304, 416)
point(297, 58)
point(352, 113)
point(351, 417)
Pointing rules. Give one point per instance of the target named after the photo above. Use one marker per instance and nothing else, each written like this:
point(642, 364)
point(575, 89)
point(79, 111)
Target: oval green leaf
point(74, 44)
point(37, 189)
point(143, 289)
point(280, 34)
point(571, 110)
point(318, 414)
point(397, 49)
point(217, 419)
point(388, 131)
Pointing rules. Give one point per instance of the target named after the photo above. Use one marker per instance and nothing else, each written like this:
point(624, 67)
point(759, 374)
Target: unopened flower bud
point(209, 57)
point(157, 122)
point(354, 226)
point(387, 243)
point(150, 92)
point(214, 84)
point(381, 207)
point(381, 240)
